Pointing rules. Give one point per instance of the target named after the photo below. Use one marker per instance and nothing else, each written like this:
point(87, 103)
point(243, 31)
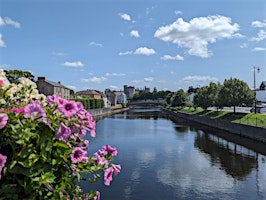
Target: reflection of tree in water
point(235, 164)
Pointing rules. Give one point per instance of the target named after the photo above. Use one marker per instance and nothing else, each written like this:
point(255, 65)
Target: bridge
point(146, 103)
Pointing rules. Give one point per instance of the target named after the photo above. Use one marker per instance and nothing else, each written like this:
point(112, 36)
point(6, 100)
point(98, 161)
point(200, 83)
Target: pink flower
point(97, 196)
point(108, 175)
point(110, 150)
point(68, 108)
point(63, 132)
point(78, 155)
point(3, 120)
point(33, 110)
point(18, 110)
point(116, 168)
point(2, 163)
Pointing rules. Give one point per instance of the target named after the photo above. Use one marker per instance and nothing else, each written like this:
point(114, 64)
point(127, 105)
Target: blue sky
point(167, 44)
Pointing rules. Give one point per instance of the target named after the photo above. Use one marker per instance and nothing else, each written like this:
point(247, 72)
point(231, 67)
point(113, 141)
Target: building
point(47, 88)
point(129, 91)
point(89, 93)
point(116, 98)
point(261, 93)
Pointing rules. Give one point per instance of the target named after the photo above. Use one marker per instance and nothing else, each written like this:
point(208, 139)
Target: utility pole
point(254, 70)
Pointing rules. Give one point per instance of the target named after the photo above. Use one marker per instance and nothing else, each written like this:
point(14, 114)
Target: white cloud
point(95, 79)
point(259, 49)
point(73, 64)
point(59, 54)
point(125, 16)
point(178, 12)
point(9, 21)
point(95, 44)
point(2, 22)
point(5, 66)
point(71, 87)
point(198, 79)
point(139, 51)
point(198, 33)
point(244, 45)
point(168, 57)
point(260, 36)
point(114, 74)
point(144, 51)
point(12, 23)
point(258, 24)
point(125, 53)
point(113, 87)
point(2, 43)
point(134, 33)
point(148, 79)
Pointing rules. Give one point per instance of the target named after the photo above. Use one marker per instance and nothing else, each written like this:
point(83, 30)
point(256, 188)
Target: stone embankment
point(106, 111)
point(251, 132)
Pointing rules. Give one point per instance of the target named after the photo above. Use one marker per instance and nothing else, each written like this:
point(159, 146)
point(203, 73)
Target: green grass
point(243, 118)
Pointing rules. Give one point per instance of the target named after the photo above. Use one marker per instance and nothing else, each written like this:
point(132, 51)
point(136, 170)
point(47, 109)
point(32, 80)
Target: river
point(163, 159)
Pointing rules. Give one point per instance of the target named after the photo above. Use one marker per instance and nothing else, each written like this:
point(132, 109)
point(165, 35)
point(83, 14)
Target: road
point(231, 109)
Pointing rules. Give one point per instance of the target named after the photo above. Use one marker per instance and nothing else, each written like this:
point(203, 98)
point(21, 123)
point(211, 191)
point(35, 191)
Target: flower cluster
point(43, 150)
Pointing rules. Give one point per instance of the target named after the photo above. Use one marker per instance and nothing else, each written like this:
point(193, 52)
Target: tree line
point(233, 92)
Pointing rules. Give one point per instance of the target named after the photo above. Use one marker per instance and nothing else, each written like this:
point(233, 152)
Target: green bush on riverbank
point(243, 118)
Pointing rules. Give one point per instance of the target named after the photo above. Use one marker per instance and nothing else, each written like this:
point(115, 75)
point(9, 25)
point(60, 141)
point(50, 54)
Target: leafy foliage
point(43, 152)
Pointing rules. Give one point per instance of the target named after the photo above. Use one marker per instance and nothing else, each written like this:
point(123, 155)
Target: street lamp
point(258, 70)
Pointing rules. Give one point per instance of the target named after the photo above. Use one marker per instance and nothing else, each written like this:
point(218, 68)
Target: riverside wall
point(251, 132)
point(105, 111)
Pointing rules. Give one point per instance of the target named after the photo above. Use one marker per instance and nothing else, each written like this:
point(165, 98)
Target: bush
point(43, 153)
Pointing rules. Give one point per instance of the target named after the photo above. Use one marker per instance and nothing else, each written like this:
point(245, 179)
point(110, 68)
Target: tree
point(207, 96)
point(180, 98)
point(14, 75)
point(235, 92)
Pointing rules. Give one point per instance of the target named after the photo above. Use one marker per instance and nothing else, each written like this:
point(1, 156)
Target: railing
point(254, 121)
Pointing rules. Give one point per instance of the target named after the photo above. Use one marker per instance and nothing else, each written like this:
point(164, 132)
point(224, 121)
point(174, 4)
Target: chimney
point(41, 78)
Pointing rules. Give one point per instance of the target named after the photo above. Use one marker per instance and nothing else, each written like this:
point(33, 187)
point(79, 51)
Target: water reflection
point(173, 159)
point(235, 163)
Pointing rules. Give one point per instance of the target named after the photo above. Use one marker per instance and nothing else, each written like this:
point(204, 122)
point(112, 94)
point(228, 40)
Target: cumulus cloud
point(260, 36)
point(144, 51)
point(125, 16)
point(198, 79)
point(198, 33)
point(94, 80)
point(95, 44)
point(73, 64)
point(168, 57)
point(139, 51)
point(2, 43)
point(259, 49)
point(134, 33)
point(114, 74)
point(258, 24)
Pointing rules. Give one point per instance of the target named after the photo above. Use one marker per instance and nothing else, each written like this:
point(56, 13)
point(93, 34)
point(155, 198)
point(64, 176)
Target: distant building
point(89, 93)
point(47, 87)
point(129, 91)
point(261, 93)
point(116, 98)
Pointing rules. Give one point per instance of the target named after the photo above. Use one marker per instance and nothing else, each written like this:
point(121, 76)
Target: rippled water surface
point(163, 159)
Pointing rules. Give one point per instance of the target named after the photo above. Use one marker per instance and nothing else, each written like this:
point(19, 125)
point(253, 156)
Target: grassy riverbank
point(243, 118)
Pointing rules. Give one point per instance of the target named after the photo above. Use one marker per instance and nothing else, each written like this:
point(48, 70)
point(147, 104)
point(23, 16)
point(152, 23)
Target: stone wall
point(252, 132)
point(105, 111)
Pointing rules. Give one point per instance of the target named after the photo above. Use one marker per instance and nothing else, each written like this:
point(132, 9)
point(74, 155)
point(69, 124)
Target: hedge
point(90, 103)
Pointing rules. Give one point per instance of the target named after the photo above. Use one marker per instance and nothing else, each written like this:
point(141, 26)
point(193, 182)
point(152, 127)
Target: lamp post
point(254, 70)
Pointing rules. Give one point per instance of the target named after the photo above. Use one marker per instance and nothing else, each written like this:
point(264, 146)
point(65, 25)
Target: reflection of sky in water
point(160, 160)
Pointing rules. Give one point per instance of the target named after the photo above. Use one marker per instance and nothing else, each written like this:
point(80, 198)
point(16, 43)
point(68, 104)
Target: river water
point(163, 159)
